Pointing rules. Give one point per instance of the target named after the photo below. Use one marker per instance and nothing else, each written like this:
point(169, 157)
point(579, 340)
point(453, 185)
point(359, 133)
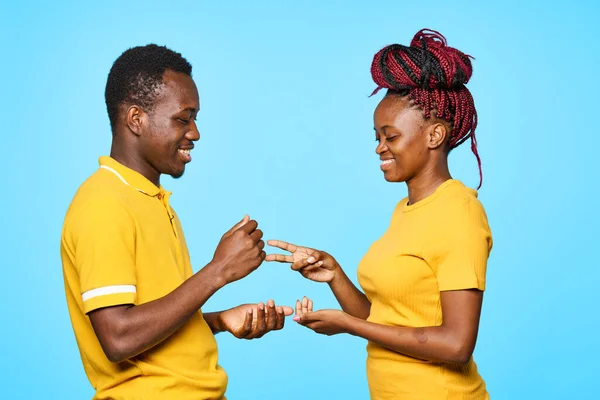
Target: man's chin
point(177, 174)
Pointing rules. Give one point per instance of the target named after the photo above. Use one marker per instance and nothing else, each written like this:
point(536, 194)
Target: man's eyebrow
point(190, 109)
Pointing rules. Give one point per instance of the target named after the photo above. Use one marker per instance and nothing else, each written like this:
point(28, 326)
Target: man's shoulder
point(100, 192)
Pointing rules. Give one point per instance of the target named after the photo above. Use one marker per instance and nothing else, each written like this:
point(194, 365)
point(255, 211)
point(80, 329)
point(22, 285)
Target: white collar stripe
point(120, 177)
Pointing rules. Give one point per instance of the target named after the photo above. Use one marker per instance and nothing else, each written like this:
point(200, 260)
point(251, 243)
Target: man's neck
point(132, 161)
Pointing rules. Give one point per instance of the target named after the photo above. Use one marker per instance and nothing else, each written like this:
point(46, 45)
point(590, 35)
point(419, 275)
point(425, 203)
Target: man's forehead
point(181, 89)
point(179, 82)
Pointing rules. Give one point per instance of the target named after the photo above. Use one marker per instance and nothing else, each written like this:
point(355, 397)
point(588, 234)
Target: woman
point(423, 280)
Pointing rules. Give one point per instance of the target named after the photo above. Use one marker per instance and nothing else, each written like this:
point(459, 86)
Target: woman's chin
point(391, 177)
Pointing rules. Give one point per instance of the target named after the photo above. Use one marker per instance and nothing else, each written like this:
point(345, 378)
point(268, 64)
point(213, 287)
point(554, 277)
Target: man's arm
point(125, 331)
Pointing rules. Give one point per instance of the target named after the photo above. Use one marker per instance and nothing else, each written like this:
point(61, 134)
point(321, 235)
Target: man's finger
point(247, 327)
point(237, 226)
point(272, 319)
point(261, 245)
point(249, 226)
point(287, 310)
point(279, 258)
point(282, 245)
point(310, 305)
point(304, 305)
point(260, 321)
point(256, 235)
point(280, 318)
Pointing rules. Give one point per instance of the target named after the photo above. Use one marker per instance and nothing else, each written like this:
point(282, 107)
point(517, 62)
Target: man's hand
point(325, 322)
point(251, 321)
point(315, 265)
point(239, 252)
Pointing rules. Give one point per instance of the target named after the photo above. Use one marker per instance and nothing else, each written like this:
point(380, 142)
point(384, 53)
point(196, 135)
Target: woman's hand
point(315, 265)
point(325, 322)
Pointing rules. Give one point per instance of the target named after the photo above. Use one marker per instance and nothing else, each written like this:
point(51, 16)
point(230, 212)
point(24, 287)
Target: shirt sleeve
point(464, 249)
point(103, 234)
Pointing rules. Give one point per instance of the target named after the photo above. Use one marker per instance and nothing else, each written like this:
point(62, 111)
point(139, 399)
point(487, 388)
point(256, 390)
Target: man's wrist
point(215, 322)
point(213, 277)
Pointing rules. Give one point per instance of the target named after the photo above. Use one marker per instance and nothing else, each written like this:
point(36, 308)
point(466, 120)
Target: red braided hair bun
point(434, 75)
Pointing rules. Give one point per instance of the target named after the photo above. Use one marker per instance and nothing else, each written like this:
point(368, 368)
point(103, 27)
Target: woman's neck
point(425, 184)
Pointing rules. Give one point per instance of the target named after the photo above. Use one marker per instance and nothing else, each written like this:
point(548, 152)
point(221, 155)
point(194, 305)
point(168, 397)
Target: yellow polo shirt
point(439, 243)
point(123, 244)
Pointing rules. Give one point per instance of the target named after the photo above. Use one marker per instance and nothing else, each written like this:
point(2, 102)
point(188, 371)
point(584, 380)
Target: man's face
point(171, 129)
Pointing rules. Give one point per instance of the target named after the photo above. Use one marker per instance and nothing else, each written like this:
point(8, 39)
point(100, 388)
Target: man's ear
point(136, 118)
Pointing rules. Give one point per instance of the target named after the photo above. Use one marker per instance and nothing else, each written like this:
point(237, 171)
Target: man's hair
point(136, 76)
point(434, 75)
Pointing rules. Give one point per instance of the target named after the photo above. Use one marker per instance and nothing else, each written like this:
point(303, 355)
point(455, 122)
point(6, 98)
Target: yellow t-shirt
point(439, 243)
point(123, 244)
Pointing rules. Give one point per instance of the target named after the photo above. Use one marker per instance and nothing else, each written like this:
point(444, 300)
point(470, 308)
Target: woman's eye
point(391, 138)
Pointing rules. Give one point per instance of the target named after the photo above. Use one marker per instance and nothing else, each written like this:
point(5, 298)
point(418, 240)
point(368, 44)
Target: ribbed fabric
point(439, 243)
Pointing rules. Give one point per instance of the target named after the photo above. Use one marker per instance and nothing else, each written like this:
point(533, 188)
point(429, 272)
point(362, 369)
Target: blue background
point(287, 137)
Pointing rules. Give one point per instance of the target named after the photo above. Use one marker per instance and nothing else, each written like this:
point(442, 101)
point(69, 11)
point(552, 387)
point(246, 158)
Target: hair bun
point(428, 63)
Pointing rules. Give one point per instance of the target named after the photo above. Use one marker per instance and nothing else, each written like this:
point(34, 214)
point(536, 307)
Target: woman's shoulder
point(461, 205)
point(461, 196)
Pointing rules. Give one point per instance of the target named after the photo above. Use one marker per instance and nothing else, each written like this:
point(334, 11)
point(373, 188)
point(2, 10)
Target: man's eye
point(183, 121)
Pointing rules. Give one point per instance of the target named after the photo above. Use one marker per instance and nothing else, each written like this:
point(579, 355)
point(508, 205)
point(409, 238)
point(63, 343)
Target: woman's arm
point(352, 300)
point(451, 342)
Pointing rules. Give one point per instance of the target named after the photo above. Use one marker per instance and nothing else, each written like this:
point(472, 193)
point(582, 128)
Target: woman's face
point(404, 142)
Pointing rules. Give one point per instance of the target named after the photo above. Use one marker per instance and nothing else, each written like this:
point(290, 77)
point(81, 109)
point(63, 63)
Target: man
point(132, 297)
